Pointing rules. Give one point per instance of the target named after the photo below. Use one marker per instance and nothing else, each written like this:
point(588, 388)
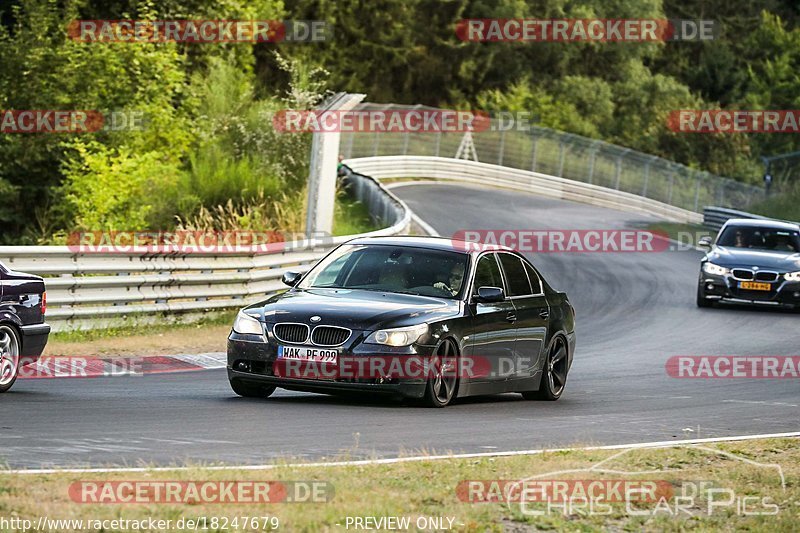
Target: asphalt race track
point(634, 311)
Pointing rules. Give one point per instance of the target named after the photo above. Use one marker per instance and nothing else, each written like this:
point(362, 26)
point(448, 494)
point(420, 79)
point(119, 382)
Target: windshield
point(387, 268)
point(773, 239)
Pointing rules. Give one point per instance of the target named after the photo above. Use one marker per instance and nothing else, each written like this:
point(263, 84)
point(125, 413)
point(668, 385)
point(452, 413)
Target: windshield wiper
point(373, 289)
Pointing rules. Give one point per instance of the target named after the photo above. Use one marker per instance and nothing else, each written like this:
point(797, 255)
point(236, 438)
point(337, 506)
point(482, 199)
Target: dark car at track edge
point(23, 331)
point(751, 261)
point(435, 302)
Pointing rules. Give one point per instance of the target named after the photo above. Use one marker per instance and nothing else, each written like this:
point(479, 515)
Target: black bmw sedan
point(414, 317)
point(752, 262)
point(23, 331)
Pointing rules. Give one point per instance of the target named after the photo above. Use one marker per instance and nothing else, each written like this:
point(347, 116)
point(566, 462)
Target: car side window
point(533, 277)
point(487, 274)
point(516, 278)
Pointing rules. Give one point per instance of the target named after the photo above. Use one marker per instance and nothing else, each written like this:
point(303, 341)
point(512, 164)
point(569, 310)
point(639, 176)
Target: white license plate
point(299, 353)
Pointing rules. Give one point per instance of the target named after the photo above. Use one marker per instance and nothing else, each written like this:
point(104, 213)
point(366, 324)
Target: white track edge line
point(418, 458)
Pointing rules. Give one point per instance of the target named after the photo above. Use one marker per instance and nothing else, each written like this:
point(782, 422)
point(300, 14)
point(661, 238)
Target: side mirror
point(490, 295)
point(704, 242)
point(291, 278)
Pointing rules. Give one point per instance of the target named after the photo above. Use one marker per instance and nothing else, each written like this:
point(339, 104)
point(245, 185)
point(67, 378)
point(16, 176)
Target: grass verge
point(351, 216)
point(725, 486)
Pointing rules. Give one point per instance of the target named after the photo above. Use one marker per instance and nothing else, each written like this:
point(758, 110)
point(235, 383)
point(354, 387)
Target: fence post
point(350, 138)
point(405, 142)
point(502, 148)
point(438, 142)
point(376, 141)
point(533, 153)
point(619, 170)
point(593, 149)
point(697, 193)
point(561, 158)
point(646, 177)
point(671, 186)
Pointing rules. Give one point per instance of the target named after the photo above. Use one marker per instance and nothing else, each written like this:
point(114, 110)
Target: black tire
point(554, 373)
point(442, 378)
point(9, 357)
point(247, 390)
point(702, 301)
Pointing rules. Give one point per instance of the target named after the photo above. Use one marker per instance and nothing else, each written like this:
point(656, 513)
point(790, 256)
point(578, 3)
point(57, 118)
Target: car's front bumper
point(726, 288)
point(251, 359)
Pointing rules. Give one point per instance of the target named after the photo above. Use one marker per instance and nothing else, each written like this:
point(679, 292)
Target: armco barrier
point(715, 217)
point(460, 170)
point(86, 290)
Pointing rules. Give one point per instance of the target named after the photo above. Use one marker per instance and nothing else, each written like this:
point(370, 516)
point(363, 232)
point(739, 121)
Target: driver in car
point(453, 284)
point(740, 240)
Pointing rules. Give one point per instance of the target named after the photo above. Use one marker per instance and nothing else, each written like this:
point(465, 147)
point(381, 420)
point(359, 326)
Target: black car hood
point(763, 259)
point(356, 309)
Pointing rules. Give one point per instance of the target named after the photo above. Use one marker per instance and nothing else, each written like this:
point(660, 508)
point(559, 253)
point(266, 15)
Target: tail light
point(44, 302)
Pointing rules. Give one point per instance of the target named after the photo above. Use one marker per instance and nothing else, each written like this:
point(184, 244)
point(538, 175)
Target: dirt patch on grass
point(185, 339)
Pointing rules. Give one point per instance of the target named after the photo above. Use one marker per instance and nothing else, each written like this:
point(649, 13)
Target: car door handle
point(544, 313)
point(511, 317)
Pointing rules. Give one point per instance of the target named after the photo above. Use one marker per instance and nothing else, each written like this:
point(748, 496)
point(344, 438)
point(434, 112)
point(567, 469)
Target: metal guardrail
point(563, 155)
point(715, 217)
point(86, 290)
point(443, 168)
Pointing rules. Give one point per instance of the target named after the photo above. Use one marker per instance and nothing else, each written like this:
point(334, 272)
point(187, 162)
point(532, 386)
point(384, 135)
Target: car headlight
point(247, 325)
point(792, 276)
point(711, 268)
point(397, 336)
